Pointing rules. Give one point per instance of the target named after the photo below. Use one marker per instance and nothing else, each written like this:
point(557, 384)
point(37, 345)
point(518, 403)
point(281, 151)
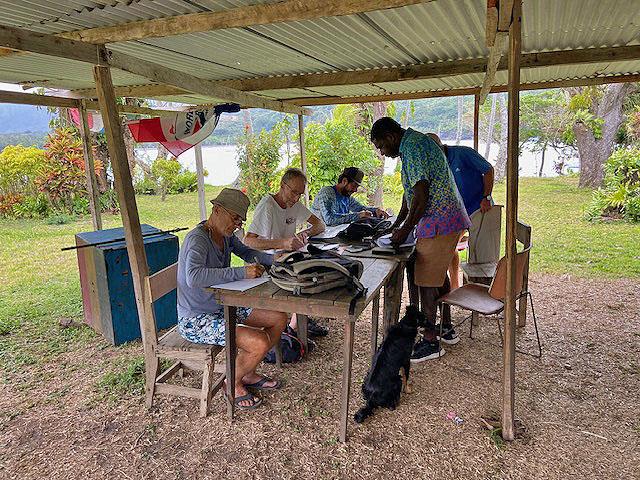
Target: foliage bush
point(33, 206)
point(258, 160)
point(19, 167)
point(620, 196)
point(393, 185)
point(167, 176)
point(63, 178)
point(331, 147)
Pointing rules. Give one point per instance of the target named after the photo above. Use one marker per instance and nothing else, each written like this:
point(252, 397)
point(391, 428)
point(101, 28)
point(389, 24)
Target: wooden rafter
point(246, 16)
point(53, 101)
point(25, 40)
point(382, 75)
point(573, 82)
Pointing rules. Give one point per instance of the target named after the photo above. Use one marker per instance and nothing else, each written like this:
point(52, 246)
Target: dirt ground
point(579, 406)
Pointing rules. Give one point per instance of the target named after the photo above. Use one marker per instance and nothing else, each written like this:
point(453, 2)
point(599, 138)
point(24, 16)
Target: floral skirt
point(208, 328)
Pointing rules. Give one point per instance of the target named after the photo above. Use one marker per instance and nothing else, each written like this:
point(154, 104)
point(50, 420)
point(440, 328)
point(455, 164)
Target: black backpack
point(363, 228)
point(291, 346)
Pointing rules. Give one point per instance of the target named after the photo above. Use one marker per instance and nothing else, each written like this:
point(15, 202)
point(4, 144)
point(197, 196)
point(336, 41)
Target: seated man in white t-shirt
point(276, 220)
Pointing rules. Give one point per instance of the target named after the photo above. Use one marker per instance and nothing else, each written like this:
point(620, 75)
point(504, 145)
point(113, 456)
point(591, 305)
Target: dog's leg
point(406, 385)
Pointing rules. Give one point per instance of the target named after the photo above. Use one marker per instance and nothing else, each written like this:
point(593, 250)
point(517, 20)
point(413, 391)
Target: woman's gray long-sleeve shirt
point(201, 264)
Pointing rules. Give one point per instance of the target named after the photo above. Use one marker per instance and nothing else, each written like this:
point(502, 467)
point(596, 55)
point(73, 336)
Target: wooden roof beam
point(572, 82)
point(382, 75)
point(21, 98)
point(246, 16)
point(499, 15)
point(26, 40)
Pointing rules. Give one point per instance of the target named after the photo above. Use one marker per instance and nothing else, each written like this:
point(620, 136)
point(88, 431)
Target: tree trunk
point(544, 150)
point(492, 124)
point(501, 160)
point(163, 153)
point(594, 152)
point(459, 129)
point(379, 111)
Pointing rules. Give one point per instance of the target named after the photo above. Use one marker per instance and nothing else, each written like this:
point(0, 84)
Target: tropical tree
point(597, 117)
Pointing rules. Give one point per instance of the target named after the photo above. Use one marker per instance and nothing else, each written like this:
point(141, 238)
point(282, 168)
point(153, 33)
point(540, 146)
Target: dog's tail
point(363, 413)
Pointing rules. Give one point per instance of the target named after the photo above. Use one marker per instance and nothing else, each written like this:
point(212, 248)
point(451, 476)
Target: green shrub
point(146, 186)
point(258, 160)
point(60, 219)
point(34, 206)
point(331, 147)
point(184, 182)
point(620, 196)
point(393, 185)
point(19, 167)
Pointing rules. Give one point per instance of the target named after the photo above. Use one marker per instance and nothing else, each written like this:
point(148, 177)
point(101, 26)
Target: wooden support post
point(476, 121)
point(509, 346)
point(200, 174)
point(303, 157)
point(130, 219)
point(89, 168)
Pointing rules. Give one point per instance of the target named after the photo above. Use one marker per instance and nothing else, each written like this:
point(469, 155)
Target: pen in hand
point(257, 262)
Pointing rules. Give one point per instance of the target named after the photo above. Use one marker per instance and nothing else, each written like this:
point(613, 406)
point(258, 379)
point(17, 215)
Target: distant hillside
point(23, 118)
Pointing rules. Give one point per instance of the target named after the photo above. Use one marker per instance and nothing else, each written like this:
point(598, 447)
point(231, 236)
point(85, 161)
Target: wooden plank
point(572, 82)
point(240, 17)
point(492, 22)
point(513, 107)
point(169, 389)
point(346, 377)
point(505, 12)
point(476, 121)
point(169, 372)
point(130, 222)
point(89, 168)
point(230, 316)
point(303, 157)
point(98, 55)
point(200, 174)
point(493, 62)
point(163, 282)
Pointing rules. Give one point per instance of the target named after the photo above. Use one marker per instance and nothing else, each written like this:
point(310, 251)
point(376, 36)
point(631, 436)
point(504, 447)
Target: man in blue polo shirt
point(474, 179)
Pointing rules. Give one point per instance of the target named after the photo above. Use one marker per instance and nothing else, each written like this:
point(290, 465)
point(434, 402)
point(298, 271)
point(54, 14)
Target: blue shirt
point(468, 167)
point(422, 159)
point(334, 208)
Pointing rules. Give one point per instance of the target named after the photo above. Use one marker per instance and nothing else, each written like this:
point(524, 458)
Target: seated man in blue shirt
point(474, 179)
point(204, 260)
point(334, 205)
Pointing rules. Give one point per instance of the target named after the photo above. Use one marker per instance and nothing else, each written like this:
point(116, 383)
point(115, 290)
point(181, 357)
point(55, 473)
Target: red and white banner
point(94, 119)
point(181, 131)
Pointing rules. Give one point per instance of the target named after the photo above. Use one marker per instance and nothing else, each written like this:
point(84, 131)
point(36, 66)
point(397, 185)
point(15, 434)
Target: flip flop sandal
point(259, 385)
point(255, 401)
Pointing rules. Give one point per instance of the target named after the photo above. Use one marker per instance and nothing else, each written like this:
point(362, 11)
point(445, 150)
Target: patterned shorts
point(208, 328)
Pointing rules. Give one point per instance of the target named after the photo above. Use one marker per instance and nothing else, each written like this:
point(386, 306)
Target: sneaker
point(449, 335)
point(426, 350)
point(314, 329)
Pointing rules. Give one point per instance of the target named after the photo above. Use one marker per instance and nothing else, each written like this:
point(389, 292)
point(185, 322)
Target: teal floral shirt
point(422, 159)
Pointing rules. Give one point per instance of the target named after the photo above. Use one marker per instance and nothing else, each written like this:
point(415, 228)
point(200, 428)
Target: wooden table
point(378, 272)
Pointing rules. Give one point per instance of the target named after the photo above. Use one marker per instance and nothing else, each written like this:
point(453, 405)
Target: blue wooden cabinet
point(107, 287)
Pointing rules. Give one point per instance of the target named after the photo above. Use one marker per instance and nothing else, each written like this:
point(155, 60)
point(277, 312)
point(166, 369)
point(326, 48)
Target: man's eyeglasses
point(237, 220)
point(297, 194)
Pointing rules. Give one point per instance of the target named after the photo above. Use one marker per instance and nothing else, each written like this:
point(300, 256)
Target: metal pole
point(200, 174)
point(303, 157)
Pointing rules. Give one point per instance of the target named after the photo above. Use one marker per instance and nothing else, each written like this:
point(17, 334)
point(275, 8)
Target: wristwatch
point(487, 197)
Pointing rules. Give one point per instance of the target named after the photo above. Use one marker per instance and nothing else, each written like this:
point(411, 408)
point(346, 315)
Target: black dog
point(383, 384)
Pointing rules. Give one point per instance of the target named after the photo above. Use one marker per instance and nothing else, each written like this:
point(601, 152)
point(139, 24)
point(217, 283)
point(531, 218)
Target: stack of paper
point(385, 240)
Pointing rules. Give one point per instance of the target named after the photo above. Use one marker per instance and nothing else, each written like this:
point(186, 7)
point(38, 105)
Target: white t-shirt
point(271, 221)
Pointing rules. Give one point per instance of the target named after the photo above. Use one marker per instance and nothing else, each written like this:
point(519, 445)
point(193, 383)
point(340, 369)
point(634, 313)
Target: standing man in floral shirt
point(431, 205)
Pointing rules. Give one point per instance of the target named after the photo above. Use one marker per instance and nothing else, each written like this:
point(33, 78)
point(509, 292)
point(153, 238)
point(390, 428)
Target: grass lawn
point(39, 284)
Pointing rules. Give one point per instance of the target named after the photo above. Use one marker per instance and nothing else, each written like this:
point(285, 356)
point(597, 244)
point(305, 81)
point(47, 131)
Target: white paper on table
point(242, 285)
point(385, 240)
point(331, 232)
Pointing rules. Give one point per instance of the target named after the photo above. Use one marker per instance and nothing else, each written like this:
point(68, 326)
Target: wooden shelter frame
point(503, 27)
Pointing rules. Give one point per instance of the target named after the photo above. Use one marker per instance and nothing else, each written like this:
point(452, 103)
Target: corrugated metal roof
point(440, 30)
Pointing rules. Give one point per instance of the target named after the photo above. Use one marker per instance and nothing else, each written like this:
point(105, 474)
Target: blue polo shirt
point(468, 167)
